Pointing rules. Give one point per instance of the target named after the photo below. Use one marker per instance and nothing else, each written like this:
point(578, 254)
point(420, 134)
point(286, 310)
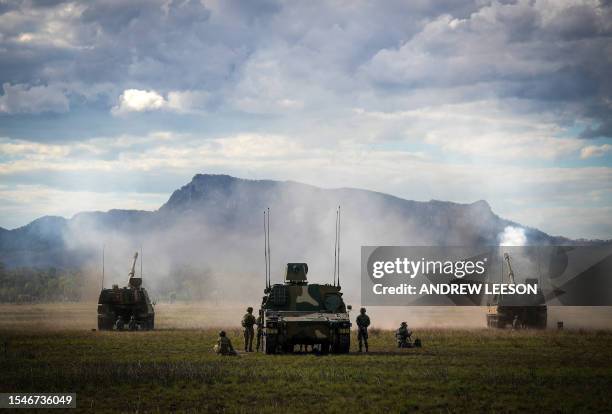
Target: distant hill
point(214, 226)
point(231, 207)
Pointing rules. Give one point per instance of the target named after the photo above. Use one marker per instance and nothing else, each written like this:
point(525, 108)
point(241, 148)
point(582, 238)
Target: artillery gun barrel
point(133, 270)
point(510, 272)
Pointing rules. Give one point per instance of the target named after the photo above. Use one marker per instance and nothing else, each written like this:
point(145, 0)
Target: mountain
point(219, 208)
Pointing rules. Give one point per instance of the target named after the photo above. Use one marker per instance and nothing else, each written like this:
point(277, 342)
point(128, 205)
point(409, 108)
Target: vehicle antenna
point(269, 257)
point(265, 247)
point(336, 248)
point(339, 214)
point(103, 247)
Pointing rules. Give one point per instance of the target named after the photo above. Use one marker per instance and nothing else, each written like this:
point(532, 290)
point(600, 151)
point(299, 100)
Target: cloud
point(457, 100)
point(595, 151)
point(25, 99)
point(22, 203)
point(135, 100)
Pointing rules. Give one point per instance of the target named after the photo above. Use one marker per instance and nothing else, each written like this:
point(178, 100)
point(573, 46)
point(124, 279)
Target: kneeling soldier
point(224, 345)
point(402, 335)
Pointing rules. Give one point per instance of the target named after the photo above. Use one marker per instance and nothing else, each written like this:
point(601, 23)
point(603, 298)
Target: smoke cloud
point(513, 236)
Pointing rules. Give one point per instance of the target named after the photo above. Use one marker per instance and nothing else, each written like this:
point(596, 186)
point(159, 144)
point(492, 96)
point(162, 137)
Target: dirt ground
point(82, 316)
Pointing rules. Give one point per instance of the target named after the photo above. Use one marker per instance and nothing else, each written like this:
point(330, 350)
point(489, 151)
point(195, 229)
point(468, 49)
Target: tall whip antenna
point(266, 246)
point(269, 259)
point(141, 257)
point(103, 247)
point(336, 248)
point(339, 246)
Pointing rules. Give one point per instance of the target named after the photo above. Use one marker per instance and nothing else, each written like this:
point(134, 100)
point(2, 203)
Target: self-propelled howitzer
point(528, 311)
point(125, 303)
point(299, 313)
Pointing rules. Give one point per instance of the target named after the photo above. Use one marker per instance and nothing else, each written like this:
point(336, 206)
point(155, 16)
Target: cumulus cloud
point(595, 151)
point(135, 100)
point(25, 99)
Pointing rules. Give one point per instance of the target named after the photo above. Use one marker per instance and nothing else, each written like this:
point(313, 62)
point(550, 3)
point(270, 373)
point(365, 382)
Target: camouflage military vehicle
point(132, 300)
point(299, 313)
point(530, 311)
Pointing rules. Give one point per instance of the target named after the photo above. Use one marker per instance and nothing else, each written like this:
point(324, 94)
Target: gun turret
point(296, 273)
point(134, 282)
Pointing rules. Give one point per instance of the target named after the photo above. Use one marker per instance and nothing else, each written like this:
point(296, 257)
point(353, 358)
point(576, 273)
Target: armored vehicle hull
point(285, 330)
point(530, 311)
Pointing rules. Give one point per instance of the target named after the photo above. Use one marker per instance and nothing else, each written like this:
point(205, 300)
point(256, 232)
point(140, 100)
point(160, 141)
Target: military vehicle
point(298, 313)
point(132, 300)
point(529, 310)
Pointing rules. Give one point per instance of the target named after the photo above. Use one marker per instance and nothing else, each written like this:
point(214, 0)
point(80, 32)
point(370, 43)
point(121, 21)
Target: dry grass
point(456, 371)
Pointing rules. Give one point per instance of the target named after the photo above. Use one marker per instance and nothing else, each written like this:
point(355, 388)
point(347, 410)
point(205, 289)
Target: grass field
point(174, 370)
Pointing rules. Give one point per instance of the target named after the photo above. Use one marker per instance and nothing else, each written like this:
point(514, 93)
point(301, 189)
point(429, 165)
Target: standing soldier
point(363, 321)
point(259, 331)
point(248, 320)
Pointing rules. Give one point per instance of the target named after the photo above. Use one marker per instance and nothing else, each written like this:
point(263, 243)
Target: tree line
point(28, 284)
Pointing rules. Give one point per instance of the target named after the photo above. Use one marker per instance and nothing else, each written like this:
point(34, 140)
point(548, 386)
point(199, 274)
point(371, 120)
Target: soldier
point(120, 323)
point(363, 321)
point(132, 325)
point(403, 335)
point(248, 320)
point(259, 331)
point(516, 324)
point(224, 345)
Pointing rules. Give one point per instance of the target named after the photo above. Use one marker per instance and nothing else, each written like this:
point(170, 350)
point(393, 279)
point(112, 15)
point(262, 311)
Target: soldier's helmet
point(362, 310)
point(120, 317)
point(249, 309)
point(404, 324)
point(222, 333)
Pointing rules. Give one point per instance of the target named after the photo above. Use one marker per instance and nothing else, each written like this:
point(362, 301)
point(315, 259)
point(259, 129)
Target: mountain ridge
point(229, 207)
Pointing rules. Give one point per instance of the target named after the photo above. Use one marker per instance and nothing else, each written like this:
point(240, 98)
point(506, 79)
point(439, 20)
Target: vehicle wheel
point(104, 324)
point(341, 344)
point(542, 321)
point(270, 342)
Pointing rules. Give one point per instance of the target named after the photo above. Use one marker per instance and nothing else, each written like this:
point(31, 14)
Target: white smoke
point(512, 236)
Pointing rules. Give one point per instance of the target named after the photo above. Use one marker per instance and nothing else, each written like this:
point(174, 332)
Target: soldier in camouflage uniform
point(224, 345)
point(363, 321)
point(403, 335)
point(248, 320)
point(259, 331)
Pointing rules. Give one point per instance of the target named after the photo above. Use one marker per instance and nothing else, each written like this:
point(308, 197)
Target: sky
point(115, 104)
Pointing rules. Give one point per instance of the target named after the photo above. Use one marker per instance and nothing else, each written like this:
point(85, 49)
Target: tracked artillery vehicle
point(298, 313)
point(125, 303)
point(530, 311)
